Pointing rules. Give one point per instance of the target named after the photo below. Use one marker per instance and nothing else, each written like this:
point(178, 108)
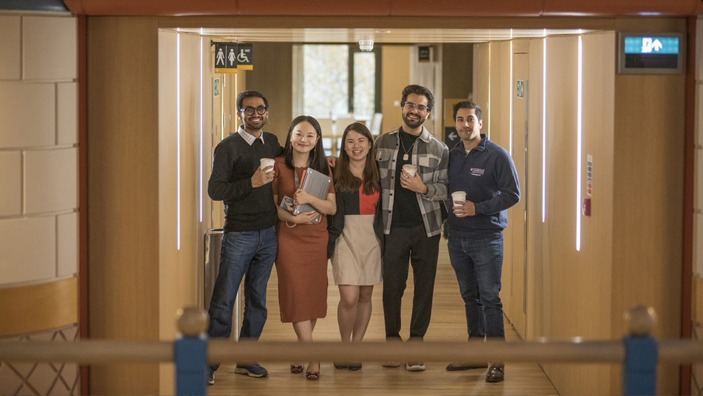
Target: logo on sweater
point(477, 171)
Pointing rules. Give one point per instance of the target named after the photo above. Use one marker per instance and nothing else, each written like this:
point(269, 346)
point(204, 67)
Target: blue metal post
point(640, 368)
point(190, 356)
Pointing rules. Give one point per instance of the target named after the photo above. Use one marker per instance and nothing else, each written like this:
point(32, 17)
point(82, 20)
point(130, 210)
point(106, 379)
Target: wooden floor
point(448, 324)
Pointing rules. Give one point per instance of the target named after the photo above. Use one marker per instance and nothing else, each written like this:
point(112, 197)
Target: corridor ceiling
point(380, 36)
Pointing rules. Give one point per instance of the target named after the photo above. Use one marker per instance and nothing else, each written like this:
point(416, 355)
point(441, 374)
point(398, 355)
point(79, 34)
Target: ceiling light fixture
point(366, 45)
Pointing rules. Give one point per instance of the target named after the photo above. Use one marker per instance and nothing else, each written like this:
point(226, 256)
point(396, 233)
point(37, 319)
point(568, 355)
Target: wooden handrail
point(114, 351)
point(639, 353)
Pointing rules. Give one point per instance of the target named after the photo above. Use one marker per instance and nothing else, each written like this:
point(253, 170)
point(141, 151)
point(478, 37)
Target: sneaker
point(415, 366)
point(465, 366)
point(252, 370)
point(495, 374)
point(210, 377)
point(391, 364)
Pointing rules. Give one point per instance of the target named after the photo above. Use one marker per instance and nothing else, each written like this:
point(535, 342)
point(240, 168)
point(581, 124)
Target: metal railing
point(639, 352)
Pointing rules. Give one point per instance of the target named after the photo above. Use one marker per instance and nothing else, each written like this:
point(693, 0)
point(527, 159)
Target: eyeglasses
point(250, 110)
point(413, 106)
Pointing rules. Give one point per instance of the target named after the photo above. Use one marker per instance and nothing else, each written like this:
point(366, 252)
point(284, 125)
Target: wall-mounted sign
point(655, 53)
point(245, 57)
point(589, 175)
point(520, 88)
point(424, 54)
point(230, 57)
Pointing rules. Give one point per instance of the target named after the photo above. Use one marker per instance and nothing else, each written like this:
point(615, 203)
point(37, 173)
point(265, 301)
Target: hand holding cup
point(459, 199)
point(267, 164)
point(410, 170)
point(264, 173)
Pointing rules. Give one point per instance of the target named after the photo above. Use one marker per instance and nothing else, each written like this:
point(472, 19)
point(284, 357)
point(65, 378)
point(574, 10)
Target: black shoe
point(466, 366)
point(495, 374)
point(356, 366)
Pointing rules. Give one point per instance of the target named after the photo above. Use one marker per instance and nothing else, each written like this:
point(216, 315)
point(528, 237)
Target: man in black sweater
point(249, 244)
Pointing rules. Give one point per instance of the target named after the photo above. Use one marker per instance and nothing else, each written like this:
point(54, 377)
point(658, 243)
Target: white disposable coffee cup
point(267, 164)
point(459, 197)
point(410, 169)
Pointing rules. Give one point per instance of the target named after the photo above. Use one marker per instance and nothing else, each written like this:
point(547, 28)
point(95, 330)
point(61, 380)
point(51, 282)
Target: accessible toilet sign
point(230, 57)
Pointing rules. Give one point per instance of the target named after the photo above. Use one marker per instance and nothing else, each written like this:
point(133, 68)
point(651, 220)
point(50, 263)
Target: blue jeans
point(478, 264)
point(249, 253)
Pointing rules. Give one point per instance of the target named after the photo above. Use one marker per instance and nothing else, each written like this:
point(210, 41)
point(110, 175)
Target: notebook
point(314, 183)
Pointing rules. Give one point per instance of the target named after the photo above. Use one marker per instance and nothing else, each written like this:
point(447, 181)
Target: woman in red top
point(355, 234)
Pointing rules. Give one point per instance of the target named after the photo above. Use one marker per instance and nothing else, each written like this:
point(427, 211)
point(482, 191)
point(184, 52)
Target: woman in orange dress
point(301, 263)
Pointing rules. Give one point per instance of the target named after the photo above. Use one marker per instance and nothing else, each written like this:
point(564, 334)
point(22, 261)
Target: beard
point(254, 125)
point(413, 124)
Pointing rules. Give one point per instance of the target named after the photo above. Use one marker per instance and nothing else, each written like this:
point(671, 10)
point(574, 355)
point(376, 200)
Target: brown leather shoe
point(495, 374)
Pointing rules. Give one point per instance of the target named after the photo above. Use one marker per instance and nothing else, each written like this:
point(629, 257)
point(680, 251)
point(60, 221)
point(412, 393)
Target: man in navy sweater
point(486, 173)
point(249, 244)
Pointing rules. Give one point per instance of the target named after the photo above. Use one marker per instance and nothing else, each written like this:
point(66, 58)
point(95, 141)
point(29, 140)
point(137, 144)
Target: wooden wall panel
point(561, 178)
point(272, 75)
point(499, 132)
point(396, 72)
point(647, 224)
point(595, 269)
point(481, 80)
point(622, 7)
point(457, 71)
point(181, 241)
point(560, 228)
point(38, 307)
point(537, 315)
point(698, 300)
point(499, 74)
point(123, 190)
point(466, 8)
point(383, 8)
point(516, 215)
point(315, 7)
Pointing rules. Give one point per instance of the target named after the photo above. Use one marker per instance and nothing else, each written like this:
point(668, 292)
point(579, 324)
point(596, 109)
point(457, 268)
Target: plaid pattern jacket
point(431, 157)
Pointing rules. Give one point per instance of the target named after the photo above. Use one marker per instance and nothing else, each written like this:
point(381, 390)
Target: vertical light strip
point(178, 141)
point(222, 105)
point(511, 94)
point(488, 102)
point(200, 147)
point(544, 128)
point(578, 144)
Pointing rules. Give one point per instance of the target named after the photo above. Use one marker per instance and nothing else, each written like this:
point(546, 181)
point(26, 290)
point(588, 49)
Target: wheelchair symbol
point(242, 57)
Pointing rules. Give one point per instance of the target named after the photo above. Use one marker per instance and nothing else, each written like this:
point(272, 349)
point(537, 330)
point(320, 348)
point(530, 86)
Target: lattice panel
point(51, 379)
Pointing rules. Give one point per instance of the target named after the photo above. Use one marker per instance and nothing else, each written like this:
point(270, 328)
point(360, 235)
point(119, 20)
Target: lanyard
point(297, 180)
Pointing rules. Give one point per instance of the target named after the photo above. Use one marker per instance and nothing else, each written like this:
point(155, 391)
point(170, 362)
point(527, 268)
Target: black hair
point(467, 104)
point(318, 160)
point(344, 180)
point(418, 90)
point(250, 94)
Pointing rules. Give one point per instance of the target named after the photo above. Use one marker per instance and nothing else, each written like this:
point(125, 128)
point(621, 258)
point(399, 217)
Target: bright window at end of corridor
point(364, 84)
point(336, 81)
point(326, 80)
